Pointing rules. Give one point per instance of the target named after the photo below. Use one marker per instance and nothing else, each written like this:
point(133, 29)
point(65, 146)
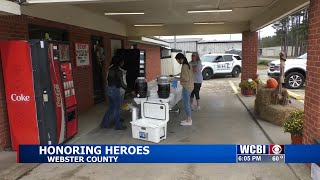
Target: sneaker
point(198, 108)
point(186, 123)
point(183, 121)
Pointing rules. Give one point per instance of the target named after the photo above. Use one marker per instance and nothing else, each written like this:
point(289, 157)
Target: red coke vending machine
point(40, 93)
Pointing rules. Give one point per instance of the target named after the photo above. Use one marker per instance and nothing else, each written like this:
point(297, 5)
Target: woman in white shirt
point(197, 78)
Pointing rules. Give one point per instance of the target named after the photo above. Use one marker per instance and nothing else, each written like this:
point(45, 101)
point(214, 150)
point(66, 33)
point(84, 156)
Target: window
point(165, 53)
point(208, 58)
point(228, 58)
point(219, 59)
point(238, 57)
point(211, 58)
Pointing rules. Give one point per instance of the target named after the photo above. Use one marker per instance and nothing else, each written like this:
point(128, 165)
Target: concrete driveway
point(222, 120)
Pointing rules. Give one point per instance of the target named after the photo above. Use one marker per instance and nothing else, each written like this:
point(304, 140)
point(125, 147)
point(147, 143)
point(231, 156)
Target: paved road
point(264, 77)
point(222, 120)
point(268, 59)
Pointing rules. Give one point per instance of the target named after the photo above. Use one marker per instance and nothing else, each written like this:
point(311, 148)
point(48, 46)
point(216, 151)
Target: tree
point(292, 31)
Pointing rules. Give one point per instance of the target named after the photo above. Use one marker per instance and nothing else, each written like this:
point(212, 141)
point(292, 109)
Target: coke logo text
point(21, 97)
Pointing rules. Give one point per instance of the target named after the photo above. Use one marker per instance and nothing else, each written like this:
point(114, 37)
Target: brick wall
point(11, 27)
point(153, 68)
point(16, 27)
point(312, 92)
point(249, 55)
point(82, 75)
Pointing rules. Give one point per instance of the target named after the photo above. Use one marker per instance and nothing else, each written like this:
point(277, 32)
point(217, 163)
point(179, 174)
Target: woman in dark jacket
point(115, 81)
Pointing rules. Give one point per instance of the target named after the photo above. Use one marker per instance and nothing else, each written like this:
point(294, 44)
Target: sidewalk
point(275, 134)
point(222, 120)
point(88, 121)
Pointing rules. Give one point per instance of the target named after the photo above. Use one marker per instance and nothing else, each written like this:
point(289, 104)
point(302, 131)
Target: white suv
point(224, 64)
point(294, 71)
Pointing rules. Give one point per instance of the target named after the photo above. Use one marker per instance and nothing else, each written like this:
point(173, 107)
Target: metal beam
point(277, 11)
point(147, 40)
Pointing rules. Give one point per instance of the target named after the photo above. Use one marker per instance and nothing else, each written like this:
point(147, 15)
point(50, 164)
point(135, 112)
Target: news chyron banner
point(271, 153)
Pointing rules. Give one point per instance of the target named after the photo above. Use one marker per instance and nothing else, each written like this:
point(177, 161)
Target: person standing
point(186, 80)
point(196, 65)
point(114, 83)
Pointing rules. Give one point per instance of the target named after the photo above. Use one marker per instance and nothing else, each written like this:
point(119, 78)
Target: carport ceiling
point(173, 14)
point(175, 11)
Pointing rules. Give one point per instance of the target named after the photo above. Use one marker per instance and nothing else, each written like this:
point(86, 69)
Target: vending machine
point(134, 64)
point(40, 95)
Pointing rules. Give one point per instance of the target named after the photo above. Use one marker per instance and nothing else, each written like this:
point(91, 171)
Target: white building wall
point(185, 46)
point(189, 56)
point(206, 48)
point(169, 66)
point(275, 51)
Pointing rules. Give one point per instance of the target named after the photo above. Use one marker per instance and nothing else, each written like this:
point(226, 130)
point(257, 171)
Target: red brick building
point(17, 28)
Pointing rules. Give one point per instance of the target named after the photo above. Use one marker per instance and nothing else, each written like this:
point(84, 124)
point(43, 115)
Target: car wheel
point(236, 72)
point(207, 74)
point(294, 80)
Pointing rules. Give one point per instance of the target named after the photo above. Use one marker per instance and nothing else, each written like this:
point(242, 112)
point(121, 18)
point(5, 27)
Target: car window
point(228, 58)
point(237, 57)
point(208, 58)
point(304, 56)
point(219, 58)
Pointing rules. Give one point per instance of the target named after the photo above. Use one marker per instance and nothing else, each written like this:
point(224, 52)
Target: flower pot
point(248, 92)
point(296, 139)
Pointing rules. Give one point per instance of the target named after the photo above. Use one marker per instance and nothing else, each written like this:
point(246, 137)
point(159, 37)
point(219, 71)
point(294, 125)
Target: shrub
point(257, 79)
point(294, 122)
point(248, 84)
point(263, 62)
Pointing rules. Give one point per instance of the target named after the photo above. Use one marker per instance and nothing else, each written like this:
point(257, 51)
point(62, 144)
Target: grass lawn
point(262, 67)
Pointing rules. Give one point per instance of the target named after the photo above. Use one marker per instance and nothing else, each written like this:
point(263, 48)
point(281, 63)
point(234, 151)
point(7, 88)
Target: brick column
point(249, 54)
point(312, 92)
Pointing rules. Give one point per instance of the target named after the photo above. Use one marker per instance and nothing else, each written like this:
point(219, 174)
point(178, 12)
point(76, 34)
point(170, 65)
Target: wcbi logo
point(260, 149)
point(252, 149)
point(19, 98)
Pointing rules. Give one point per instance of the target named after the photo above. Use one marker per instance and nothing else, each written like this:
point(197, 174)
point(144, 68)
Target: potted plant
point(294, 125)
point(248, 87)
point(257, 80)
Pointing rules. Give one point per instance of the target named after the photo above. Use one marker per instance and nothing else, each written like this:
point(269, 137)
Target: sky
point(267, 31)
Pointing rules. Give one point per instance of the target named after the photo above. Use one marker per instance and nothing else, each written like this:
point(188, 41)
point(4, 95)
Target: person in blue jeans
point(115, 81)
point(186, 80)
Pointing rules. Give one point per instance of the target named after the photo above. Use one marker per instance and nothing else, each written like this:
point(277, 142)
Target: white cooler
point(153, 124)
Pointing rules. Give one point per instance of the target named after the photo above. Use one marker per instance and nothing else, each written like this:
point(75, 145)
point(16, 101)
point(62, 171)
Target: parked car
point(222, 64)
point(294, 71)
point(234, 51)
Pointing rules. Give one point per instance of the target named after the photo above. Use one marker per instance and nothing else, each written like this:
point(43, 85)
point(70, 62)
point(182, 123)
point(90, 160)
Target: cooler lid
point(155, 110)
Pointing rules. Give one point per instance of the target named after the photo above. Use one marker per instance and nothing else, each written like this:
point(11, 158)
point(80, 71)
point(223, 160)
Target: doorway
point(98, 60)
point(47, 33)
